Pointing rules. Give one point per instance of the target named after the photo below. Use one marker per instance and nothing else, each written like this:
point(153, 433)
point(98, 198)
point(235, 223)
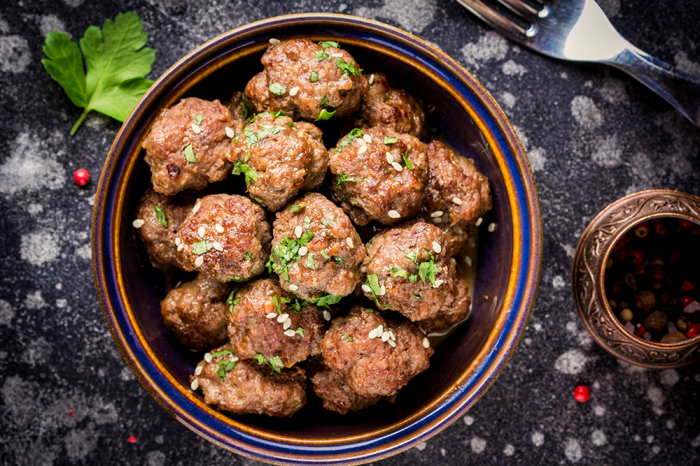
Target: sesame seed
point(457, 229)
point(392, 336)
point(426, 343)
point(348, 240)
point(196, 207)
point(217, 246)
point(199, 261)
point(303, 251)
point(287, 324)
point(274, 41)
point(492, 227)
point(271, 315)
point(194, 385)
point(337, 55)
point(379, 330)
point(293, 91)
point(372, 334)
point(282, 318)
point(207, 357)
point(371, 79)
point(478, 222)
point(293, 287)
point(290, 333)
point(201, 231)
point(362, 142)
point(389, 158)
point(437, 220)
point(382, 290)
point(198, 370)
point(468, 261)
point(385, 336)
point(362, 149)
point(177, 241)
point(436, 247)
point(366, 289)
point(437, 213)
point(457, 200)
point(138, 223)
point(229, 132)
point(394, 214)
point(438, 283)
point(219, 228)
point(196, 129)
point(367, 138)
point(327, 316)
point(397, 166)
point(297, 231)
point(391, 343)
point(180, 247)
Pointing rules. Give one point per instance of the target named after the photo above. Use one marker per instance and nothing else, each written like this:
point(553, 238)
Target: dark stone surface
point(592, 133)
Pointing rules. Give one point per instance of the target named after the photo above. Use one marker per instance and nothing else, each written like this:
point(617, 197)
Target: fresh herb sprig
point(287, 252)
point(274, 362)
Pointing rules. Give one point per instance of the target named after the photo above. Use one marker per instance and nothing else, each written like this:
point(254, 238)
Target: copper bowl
point(588, 273)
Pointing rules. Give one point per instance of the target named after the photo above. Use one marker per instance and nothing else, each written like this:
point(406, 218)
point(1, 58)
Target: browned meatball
point(315, 249)
point(271, 322)
point(279, 158)
point(196, 313)
point(369, 187)
point(337, 395)
point(225, 237)
point(392, 108)
point(246, 387)
point(302, 79)
point(187, 146)
point(238, 107)
point(452, 311)
point(159, 238)
point(457, 195)
point(409, 270)
point(374, 355)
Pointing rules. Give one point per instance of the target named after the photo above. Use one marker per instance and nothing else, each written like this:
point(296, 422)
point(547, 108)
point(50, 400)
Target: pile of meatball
point(273, 266)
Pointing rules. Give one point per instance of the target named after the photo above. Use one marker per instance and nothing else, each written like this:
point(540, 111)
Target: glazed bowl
point(588, 277)
point(465, 364)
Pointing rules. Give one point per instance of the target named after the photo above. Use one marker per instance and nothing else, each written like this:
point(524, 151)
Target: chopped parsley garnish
point(412, 278)
point(277, 114)
point(389, 141)
point(202, 247)
point(232, 300)
point(290, 124)
point(276, 302)
point(299, 331)
point(247, 256)
point(244, 109)
point(325, 255)
point(287, 252)
point(342, 178)
point(198, 119)
point(398, 272)
point(307, 222)
point(338, 260)
point(325, 115)
point(265, 131)
point(248, 171)
point(427, 270)
point(322, 55)
point(355, 133)
point(418, 297)
point(347, 68)
point(326, 301)
point(296, 208)
point(369, 310)
point(277, 89)
point(310, 261)
point(274, 362)
point(314, 76)
point(324, 101)
point(296, 305)
point(346, 337)
point(221, 353)
point(189, 154)
point(373, 283)
point(407, 162)
point(328, 43)
point(486, 147)
point(326, 221)
point(257, 199)
point(160, 213)
point(412, 255)
point(225, 366)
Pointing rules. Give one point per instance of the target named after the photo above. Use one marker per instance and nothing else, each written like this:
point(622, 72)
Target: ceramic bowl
point(588, 277)
point(464, 365)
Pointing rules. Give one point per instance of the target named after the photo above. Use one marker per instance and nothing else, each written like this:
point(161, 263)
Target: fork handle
point(678, 88)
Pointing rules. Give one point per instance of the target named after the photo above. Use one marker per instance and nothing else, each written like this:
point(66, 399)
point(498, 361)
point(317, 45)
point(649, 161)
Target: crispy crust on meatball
point(252, 330)
point(331, 232)
point(196, 313)
point(250, 388)
point(239, 111)
point(237, 253)
point(159, 239)
point(374, 366)
point(337, 395)
point(379, 188)
point(452, 312)
point(174, 131)
point(290, 64)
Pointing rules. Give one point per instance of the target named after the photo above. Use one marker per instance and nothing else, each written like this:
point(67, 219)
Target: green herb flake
point(389, 141)
point(338, 260)
point(412, 278)
point(369, 310)
point(398, 272)
point(412, 255)
point(346, 337)
point(160, 214)
point(277, 89)
point(274, 362)
point(244, 107)
point(373, 283)
point(257, 199)
point(290, 124)
point(325, 256)
point(202, 247)
point(324, 101)
point(342, 178)
point(407, 162)
point(486, 147)
point(221, 353)
point(347, 68)
point(314, 76)
point(325, 115)
point(251, 137)
point(322, 55)
point(247, 256)
point(326, 221)
point(352, 135)
point(225, 366)
point(276, 302)
point(299, 331)
point(286, 252)
point(232, 300)
point(189, 154)
point(427, 270)
point(418, 297)
point(328, 43)
point(198, 119)
point(277, 114)
point(307, 222)
point(260, 358)
point(326, 301)
point(296, 208)
point(296, 305)
point(311, 261)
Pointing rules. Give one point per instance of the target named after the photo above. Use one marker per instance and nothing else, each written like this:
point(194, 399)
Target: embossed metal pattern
point(588, 273)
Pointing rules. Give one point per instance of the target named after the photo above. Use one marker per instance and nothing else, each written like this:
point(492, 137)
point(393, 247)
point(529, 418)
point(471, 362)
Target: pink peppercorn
point(81, 177)
point(581, 393)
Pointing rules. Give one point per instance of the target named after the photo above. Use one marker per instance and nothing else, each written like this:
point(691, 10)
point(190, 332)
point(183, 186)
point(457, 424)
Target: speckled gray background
point(592, 135)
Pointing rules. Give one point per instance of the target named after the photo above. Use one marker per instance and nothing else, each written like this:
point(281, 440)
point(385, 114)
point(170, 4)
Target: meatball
point(159, 236)
point(374, 355)
point(337, 395)
point(457, 195)
point(226, 237)
point(315, 249)
point(409, 271)
point(379, 174)
point(452, 312)
point(247, 387)
point(187, 146)
point(308, 81)
point(271, 322)
point(196, 313)
point(279, 158)
point(392, 108)
point(238, 107)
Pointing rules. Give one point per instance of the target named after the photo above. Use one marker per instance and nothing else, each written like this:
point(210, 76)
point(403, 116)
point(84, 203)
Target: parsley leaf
point(486, 147)
point(322, 55)
point(276, 302)
point(346, 337)
point(286, 252)
point(355, 133)
point(160, 213)
point(307, 222)
point(314, 76)
point(116, 62)
point(257, 199)
point(373, 283)
point(202, 247)
point(328, 43)
point(248, 171)
point(296, 208)
point(221, 353)
point(412, 278)
point(198, 119)
point(232, 301)
point(389, 141)
point(296, 305)
point(225, 366)
point(325, 255)
point(427, 270)
point(326, 221)
point(299, 331)
point(189, 154)
point(412, 255)
point(274, 362)
point(347, 68)
point(338, 260)
point(326, 301)
point(407, 162)
point(325, 115)
point(310, 261)
point(247, 256)
point(277, 89)
point(398, 272)
point(244, 107)
point(342, 177)
point(324, 101)
point(252, 137)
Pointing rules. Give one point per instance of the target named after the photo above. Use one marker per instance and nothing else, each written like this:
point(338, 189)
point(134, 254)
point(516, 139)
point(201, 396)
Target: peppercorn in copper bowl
point(634, 278)
point(505, 254)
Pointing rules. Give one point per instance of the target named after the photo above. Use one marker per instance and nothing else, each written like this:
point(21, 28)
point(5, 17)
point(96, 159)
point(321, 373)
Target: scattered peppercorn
point(132, 439)
point(70, 412)
point(81, 177)
point(581, 393)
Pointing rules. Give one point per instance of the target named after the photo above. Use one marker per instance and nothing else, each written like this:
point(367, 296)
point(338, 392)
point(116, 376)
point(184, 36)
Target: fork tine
point(523, 9)
point(497, 21)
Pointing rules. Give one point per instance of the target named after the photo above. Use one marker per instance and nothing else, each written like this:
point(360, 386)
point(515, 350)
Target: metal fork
point(578, 30)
